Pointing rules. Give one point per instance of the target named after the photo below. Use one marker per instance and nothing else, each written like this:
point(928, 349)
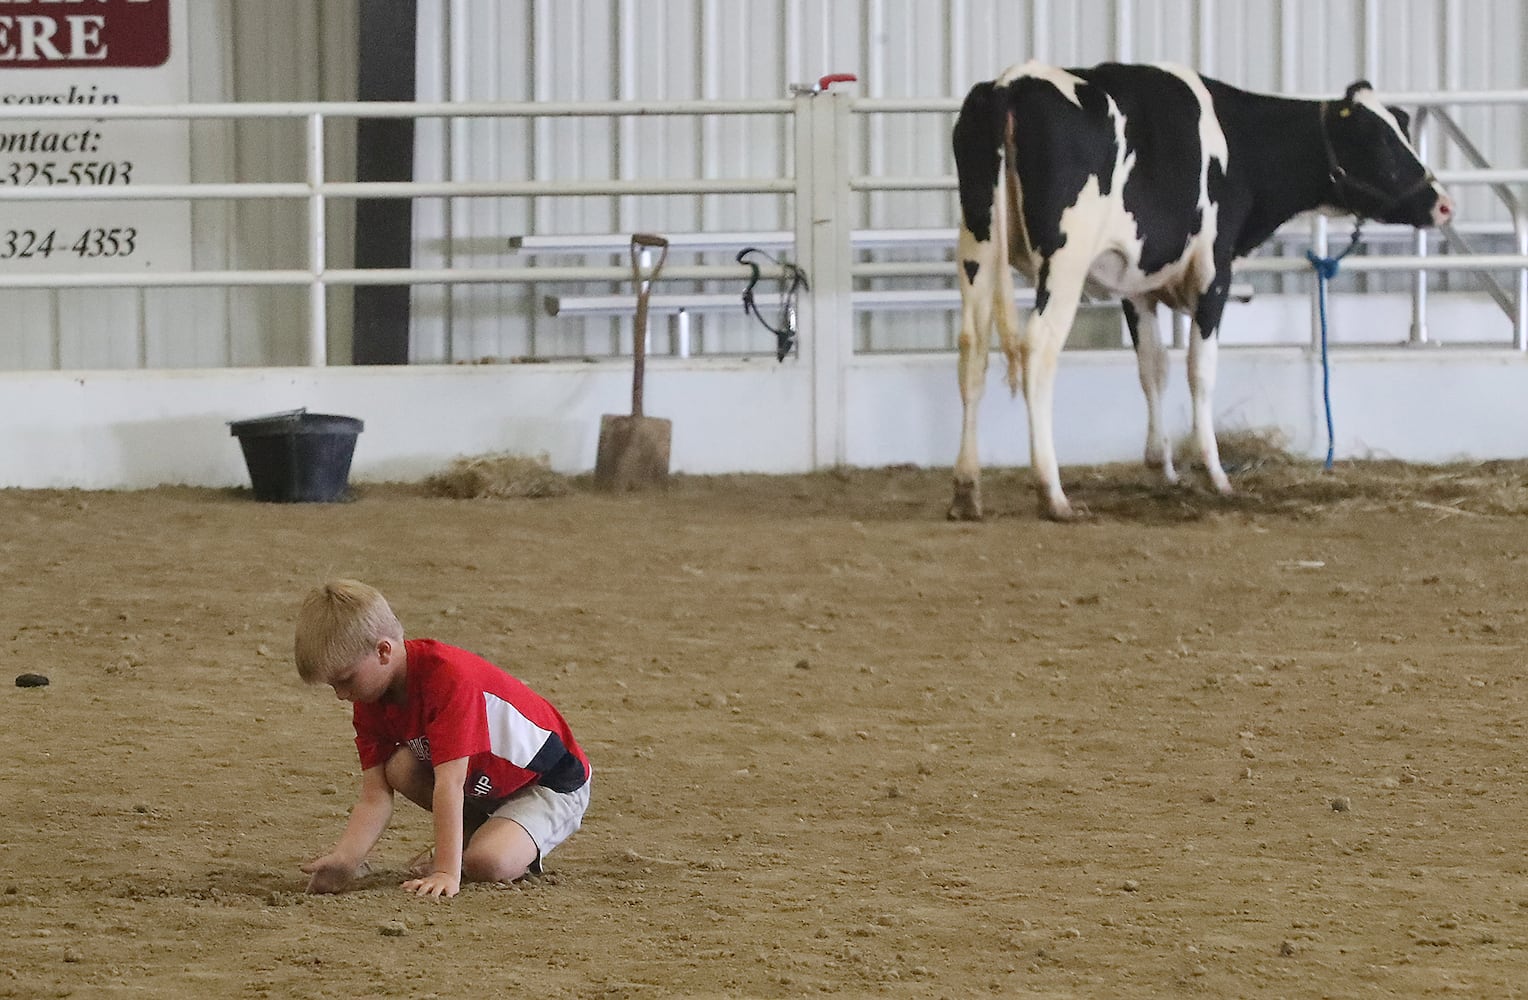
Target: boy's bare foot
point(422, 863)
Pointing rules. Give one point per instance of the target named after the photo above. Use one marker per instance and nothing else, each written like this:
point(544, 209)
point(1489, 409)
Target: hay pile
point(1260, 465)
point(500, 476)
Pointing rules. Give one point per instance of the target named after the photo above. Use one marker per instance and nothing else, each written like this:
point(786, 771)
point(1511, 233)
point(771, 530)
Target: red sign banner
point(79, 34)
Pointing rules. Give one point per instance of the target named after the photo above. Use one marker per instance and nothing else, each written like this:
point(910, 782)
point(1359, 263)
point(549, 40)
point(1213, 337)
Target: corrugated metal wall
point(685, 49)
point(714, 49)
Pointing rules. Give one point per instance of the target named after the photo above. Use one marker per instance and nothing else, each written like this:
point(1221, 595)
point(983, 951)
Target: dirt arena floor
point(1271, 746)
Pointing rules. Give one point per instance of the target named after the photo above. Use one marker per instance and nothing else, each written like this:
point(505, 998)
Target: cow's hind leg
point(1058, 292)
point(978, 281)
point(1151, 359)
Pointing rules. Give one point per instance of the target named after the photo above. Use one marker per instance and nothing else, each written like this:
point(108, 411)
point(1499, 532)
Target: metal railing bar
point(943, 299)
point(1474, 155)
point(398, 189)
point(1432, 98)
point(1461, 248)
point(449, 276)
point(1254, 265)
point(863, 239)
point(377, 276)
point(161, 279)
point(157, 192)
point(1297, 232)
point(1446, 262)
point(947, 182)
point(393, 109)
point(531, 189)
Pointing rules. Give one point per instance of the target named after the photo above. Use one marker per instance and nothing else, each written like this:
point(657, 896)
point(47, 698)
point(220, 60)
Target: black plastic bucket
point(297, 456)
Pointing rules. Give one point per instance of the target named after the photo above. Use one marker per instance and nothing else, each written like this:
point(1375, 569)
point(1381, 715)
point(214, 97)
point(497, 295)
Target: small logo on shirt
point(481, 786)
point(419, 746)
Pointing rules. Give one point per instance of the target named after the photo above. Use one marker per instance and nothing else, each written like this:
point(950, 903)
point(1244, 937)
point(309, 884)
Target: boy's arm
point(446, 805)
point(368, 819)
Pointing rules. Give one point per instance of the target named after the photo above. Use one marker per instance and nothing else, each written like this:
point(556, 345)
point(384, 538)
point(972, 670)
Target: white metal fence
point(827, 191)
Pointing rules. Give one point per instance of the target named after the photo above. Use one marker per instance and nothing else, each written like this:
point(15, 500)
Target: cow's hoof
point(1056, 508)
point(967, 503)
point(1164, 468)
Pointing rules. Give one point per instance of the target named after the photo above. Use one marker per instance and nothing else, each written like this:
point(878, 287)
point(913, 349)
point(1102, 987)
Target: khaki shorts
point(549, 817)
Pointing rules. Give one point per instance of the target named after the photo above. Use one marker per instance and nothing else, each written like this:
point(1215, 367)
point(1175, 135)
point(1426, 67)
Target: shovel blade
point(633, 453)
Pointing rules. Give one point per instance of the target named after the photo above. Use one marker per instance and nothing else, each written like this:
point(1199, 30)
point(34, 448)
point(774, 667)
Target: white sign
point(93, 52)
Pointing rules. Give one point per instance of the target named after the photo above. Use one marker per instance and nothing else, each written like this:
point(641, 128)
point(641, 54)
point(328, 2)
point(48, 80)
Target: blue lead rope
point(1326, 270)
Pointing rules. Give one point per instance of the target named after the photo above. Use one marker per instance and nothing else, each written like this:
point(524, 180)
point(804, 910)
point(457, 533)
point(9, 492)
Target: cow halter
point(1343, 181)
point(792, 282)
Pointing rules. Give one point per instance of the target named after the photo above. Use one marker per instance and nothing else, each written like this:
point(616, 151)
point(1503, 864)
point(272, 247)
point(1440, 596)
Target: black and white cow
point(1144, 182)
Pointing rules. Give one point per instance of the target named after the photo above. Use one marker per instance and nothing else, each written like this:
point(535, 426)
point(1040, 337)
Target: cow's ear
point(1355, 87)
point(1402, 119)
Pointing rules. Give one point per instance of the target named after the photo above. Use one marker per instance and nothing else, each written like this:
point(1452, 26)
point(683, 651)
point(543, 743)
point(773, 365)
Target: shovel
point(634, 451)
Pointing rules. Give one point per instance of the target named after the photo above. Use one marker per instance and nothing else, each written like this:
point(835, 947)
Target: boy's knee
point(492, 866)
point(500, 851)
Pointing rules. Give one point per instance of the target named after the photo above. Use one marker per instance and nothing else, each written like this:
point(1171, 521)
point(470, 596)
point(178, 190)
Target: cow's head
point(1375, 171)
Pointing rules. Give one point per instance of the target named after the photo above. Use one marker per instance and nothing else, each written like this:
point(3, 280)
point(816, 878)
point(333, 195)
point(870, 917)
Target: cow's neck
point(1277, 157)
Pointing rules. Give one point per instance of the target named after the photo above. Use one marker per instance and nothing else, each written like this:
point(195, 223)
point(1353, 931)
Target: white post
point(1040, 30)
point(644, 264)
point(1124, 30)
point(1319, 246)
point(682, 328)
point(1419, 280)
point(823, 227)
point(1205, 42)
point(318, 307)
point(1520, 321)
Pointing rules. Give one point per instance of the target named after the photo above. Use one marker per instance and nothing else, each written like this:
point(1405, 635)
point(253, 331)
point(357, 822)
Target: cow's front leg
point(1202, 349)
point(1151, 360)
point(977, 280)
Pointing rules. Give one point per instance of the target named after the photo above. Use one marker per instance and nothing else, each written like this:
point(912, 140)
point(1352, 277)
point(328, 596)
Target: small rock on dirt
point(393, 928)
point(31, 680)
point(1342, 804)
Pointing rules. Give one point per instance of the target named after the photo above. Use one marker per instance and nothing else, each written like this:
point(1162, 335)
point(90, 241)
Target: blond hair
point(339, 623)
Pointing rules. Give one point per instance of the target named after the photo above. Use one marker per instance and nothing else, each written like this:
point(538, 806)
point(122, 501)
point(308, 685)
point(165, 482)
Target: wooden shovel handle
point(639, 327)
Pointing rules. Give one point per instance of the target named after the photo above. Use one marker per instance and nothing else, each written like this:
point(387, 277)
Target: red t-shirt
point(460, 705)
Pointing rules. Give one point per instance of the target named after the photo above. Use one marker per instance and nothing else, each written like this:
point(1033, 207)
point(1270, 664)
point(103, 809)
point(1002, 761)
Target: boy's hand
point(435, 884)
point(330, 873)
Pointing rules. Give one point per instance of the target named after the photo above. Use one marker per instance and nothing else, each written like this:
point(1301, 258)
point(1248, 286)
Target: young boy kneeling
point(493, 760)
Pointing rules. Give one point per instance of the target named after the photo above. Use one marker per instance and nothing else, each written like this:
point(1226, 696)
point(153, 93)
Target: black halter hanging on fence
point(792, 281)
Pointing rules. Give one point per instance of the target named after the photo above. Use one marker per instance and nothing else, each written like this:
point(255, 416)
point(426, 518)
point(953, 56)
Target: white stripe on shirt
point(510, 734)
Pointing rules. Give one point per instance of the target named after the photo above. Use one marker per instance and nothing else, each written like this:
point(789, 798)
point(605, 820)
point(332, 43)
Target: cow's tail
point(983, 143)
point(1003, 305)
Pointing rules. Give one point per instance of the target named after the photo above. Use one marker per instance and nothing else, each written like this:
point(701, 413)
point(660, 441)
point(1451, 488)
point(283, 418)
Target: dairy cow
point(1144, 182)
